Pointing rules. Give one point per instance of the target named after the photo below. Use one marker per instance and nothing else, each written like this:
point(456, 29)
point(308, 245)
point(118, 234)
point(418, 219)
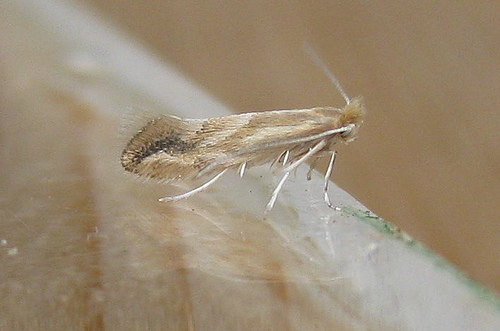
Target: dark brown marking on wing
point(158, 136)
point(172, 145)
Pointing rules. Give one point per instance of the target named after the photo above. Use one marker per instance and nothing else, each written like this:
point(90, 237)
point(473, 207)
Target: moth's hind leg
point(193, 191)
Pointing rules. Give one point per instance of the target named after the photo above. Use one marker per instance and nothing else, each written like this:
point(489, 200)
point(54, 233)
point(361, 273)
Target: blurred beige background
point(428, 156)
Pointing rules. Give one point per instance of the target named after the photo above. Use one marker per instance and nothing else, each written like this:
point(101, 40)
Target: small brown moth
point(169, 148)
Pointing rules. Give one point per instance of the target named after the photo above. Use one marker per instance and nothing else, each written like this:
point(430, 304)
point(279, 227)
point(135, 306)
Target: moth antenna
point(321, 64)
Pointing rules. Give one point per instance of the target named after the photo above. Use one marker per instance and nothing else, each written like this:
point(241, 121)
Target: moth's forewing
point(169, 148)
point(268, 134)
point(160, 149)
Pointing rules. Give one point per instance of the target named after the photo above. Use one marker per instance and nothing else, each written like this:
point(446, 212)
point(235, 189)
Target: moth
point(169, 148)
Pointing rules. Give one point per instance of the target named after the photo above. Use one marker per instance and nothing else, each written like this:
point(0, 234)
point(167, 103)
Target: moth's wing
point(160, 149)
point(259, 138)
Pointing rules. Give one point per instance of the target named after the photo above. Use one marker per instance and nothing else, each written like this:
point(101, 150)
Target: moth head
point(351, 119)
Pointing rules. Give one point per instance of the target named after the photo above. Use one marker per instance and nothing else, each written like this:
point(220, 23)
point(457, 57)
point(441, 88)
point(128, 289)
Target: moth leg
point(304, 157)
point(193, 191)
point(288, 170)
point(242, 169)
point(311, 168)
point(283, 158)
point(276, 191)
point(327, 178)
